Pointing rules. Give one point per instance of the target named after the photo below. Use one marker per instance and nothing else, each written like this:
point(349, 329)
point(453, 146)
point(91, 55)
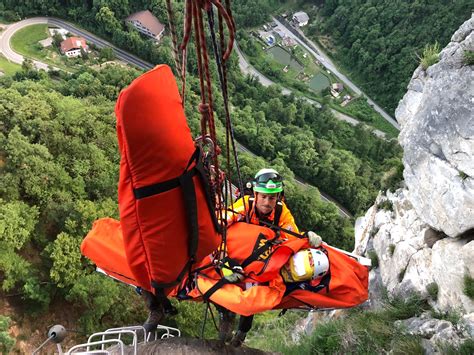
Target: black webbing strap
point(278, 211)
point(189, 197)
point(256, 253)
point(178, 280)
point(164, 301)
point(254, 256)
point(214, 288)
point(155, 189)
point(251, 200)
point(207, 191)
point(287, 231)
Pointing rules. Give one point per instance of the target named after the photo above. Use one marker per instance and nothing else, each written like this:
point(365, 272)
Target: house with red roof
point(72, 46)
point(146, 23)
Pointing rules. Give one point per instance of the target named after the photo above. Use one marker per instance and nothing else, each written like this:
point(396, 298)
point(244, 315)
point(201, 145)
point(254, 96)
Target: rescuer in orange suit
point(264, 206)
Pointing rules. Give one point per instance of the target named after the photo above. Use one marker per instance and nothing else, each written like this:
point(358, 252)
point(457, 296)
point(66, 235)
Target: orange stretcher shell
point(156, 146)
point(348, 284)
point(243, 239)
point(348, 287)
point(104, 246)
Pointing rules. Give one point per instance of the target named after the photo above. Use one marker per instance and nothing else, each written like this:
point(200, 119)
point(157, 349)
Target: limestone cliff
point(423, 234)
point(437, 136)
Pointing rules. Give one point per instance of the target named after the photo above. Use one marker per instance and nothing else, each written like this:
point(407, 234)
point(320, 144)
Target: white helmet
point(305, 265)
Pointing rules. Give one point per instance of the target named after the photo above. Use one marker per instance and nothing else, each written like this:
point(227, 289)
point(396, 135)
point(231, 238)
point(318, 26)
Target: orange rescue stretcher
point(263, 287)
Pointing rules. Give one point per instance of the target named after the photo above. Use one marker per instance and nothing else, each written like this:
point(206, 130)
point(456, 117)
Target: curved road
point(120, 54)
point(247, 68)
point(328, 64)
point(99, 42)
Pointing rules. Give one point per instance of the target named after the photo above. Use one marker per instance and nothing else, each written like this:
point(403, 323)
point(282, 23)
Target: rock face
point(422, 235)
point(434, 332)
point(412, 257)
point(437, 136)
point(187, 346)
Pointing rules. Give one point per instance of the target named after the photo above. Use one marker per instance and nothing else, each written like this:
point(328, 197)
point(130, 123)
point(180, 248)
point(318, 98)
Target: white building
point(146, 23)
point(72, 46)
point(301, 18)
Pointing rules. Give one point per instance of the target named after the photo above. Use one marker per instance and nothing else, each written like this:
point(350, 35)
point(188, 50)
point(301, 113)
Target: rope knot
point(203, 108)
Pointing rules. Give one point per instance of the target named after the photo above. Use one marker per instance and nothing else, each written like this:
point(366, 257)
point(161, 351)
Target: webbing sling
point(186, 182)
point(256, 253)
point(253, 257)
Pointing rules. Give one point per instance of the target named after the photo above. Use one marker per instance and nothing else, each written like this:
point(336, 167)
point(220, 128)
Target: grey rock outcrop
point(408, 261)
point(437, 135)
point(422, 235)
point(434, 332)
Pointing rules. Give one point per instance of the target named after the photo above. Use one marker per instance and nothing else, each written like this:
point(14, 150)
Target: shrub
point(466, 348)
point(404, 308)
point(6, 342)
point(386, 205)
point(469, 286)
point(452, 317)
point(391, 249)
point(463, 175)
point(374, 258)
point(430, 55)
point(432, 290)
point(373, 232)
point(407, 345)
point(468, 58)
point(401, 274)
point(363, 332)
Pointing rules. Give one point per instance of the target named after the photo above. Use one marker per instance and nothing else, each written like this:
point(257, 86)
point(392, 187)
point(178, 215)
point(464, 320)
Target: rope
point(193, 24)
point(174, 38)
point(222, 72)
point(180, 62)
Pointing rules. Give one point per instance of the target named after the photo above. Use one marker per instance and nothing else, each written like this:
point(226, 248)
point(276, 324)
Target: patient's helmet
point(305, 265)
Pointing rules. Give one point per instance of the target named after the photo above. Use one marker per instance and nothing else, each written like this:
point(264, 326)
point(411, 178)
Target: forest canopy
point(379, 42)
point(59, 160)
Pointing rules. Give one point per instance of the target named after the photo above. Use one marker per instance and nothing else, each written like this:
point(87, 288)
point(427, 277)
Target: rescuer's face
point(265, 203)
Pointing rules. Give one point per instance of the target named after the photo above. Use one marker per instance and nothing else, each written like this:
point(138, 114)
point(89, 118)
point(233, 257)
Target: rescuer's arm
point(288, 222)
point(235, 212)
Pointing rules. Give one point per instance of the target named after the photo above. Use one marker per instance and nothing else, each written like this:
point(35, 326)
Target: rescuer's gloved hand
point(314, 239)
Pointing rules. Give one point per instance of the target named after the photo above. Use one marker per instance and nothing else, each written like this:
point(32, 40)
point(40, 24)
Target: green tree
point(66, 257)
point(106, 19)
point(17, 222)
point(106, 54)
point(6, 341)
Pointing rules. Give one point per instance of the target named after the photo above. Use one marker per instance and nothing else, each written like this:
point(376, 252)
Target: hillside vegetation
point(59, 167)
point(378, 42)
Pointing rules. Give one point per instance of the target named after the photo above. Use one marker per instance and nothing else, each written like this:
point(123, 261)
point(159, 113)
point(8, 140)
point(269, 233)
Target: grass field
point(7, 67)
point(25, 41)
point(362, 111)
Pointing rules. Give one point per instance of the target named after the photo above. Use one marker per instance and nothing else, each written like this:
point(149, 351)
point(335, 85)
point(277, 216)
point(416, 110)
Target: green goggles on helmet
point(269, 183)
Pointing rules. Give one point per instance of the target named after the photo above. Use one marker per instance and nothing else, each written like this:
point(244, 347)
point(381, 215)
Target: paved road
point(6, 35)
point(248, 68)
point(328, 64)
point(122, 55)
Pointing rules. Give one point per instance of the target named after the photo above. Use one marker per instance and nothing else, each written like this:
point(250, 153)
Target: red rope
point(194, 23)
